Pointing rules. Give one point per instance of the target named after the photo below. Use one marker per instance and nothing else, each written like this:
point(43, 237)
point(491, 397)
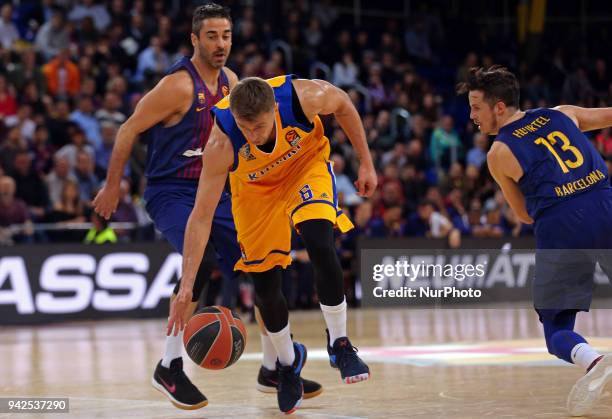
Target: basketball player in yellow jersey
point(269, 138)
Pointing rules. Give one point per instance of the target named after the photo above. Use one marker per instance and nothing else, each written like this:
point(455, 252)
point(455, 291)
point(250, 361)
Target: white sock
point(269, 353)
point(335, 319)
point(584, 355)
point(284, 345)
point(173, 350)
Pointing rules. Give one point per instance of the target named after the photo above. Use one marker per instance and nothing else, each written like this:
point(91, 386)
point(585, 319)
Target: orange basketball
point(214, 337)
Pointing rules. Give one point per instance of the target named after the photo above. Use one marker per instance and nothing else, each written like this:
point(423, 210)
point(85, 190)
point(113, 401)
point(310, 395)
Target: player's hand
point(105, 202)
point(367, 180)
point(178, 310)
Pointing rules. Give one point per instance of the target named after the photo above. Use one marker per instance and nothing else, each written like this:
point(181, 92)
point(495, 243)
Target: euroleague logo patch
point(201, 98)
point(245, 152)
point(292, 137)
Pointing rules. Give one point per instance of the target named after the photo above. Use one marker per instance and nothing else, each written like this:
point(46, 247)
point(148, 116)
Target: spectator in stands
point(13, 144)
point(78, 143)
point(69, 208)
point(88, 8)
point(85, 176)
point(101, 232)
point(345, 72)
point(32, 95)
point(62, 75)
point(8, 104)
point(126, 211)
point(31, 187)
point(414, 184)
point(103, 153)
point(59, 124)
point(41, 150)
point(57, 178)
point(13, 211)
point(347, 194)
point(477, 155)
point(53, 36)
point(417, 42)
point(603, 141)
point(25, 71)
point(110, 110)
point(428, 222)
point(445, 145)
point(389, 224)
point(577, 88)
point(152, 62)
point(23, 121)
point(8, 31)
point(85, 118)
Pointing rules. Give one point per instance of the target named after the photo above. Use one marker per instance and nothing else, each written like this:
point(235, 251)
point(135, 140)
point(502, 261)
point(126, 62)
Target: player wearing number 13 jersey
point(552, 176)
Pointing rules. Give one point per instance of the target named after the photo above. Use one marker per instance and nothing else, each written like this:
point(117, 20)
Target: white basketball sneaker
point(588, 389)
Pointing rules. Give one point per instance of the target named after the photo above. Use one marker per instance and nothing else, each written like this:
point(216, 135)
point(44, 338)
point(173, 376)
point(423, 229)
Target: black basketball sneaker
point(174, 384)
point(267, 382)
point(343, 356)
point(290, 387)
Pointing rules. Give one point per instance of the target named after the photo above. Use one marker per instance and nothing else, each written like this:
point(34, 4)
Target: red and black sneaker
point(343, 356)
point(174, 384)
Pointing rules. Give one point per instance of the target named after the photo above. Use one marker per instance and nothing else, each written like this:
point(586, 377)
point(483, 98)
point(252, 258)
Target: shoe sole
point(297, 405)
point(175, 402)
point(273, 390)
point(357, 378)
point(266, 389)
point(588, 389)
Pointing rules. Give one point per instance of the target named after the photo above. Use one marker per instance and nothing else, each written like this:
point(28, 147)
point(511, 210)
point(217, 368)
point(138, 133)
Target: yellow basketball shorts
point(264, 221)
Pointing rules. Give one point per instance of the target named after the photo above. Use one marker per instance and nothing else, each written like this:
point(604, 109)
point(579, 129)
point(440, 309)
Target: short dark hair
point(208, 11)
point(251, 97)
point(497, 83)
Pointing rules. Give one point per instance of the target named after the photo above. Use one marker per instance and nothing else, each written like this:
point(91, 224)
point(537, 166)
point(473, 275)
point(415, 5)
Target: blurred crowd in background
point(71, 72)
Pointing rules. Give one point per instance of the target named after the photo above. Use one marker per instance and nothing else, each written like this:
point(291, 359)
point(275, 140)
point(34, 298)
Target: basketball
point(214, 337)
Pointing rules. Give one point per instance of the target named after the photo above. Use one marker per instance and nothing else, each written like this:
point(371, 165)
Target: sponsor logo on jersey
point(225, 90)
point(193, 153)
point(253, 176)
point(201, 98)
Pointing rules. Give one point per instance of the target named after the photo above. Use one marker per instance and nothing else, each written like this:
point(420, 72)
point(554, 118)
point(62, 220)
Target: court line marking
point(208, 408)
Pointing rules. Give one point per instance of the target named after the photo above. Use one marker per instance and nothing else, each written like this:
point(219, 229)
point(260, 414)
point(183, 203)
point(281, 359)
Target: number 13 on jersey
point(551, 140)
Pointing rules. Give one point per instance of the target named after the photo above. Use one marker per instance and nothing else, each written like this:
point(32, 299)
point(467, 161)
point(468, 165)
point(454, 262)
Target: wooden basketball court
point(450, 363)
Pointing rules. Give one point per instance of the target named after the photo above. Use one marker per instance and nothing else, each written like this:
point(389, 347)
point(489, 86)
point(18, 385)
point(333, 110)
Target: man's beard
point(209, 59)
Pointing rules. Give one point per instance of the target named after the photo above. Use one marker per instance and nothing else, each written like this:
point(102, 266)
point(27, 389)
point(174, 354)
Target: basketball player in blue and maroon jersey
point(176, 120)
point(552, 176)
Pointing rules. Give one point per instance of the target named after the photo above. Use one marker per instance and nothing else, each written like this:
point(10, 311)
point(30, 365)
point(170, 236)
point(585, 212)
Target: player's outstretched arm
point(217, 159)
point(588, 119)
point(506, 171)
point(319, 97)
point(172, 95)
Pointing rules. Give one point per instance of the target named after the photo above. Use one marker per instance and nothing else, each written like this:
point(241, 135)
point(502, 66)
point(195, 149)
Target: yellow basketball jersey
point(296, 144)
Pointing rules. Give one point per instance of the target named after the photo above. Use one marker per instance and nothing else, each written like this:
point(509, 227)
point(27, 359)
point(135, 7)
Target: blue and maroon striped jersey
point(175, 152)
